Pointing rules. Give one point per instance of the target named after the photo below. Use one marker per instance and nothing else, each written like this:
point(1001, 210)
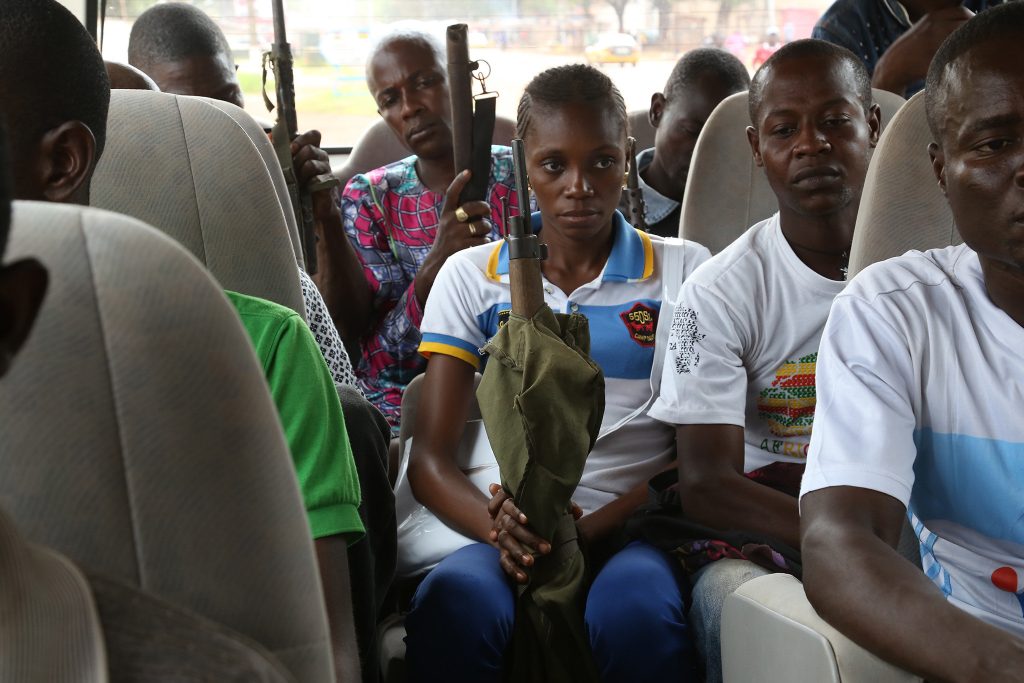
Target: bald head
point(127, 77)
point(397, 40)
point(812, 53)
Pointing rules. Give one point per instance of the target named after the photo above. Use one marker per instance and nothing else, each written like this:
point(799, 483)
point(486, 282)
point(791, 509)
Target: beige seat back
point(49, 626)
point(380, 146)
point(262, 142)
point(726, 192)
point(640, 127)
point(141, 441)
point(188, 168)
point(902, 207)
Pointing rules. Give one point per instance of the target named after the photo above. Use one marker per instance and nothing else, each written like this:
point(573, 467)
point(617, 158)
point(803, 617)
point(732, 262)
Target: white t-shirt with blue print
point(921, 397)
point(470, 300)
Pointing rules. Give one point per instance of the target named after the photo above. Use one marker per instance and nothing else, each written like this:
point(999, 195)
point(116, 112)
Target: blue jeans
point(463, 612)
point(712, 584)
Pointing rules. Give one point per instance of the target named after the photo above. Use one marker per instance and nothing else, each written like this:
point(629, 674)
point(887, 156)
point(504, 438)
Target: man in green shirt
point(310, 412)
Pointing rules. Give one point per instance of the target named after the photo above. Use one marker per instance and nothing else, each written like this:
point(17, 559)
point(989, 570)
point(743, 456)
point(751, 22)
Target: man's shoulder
point(255, 308)
point(897, 278)
point(397, 174)
point(739, 262)
point(847, 20)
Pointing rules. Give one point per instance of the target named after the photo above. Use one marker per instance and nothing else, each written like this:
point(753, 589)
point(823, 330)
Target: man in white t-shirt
point(922, 384)
point(738, 381)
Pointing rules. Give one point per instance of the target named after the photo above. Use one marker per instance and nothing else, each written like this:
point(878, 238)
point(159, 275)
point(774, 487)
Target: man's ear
point(755, 140)
point(22, 287)
point(938, 165)
point(67, 155)
point(657, 109)
point(875, 123)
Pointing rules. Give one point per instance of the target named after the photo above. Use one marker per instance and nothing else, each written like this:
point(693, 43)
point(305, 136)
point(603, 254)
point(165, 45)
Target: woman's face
point(575, 157)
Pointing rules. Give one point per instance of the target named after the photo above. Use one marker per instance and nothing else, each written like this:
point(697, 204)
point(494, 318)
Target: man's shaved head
point(411, 36)
point(707, 62)
point(173, 32)
point(1001, 22)
point(127, 77)
point(51, 72)
point(806, 51)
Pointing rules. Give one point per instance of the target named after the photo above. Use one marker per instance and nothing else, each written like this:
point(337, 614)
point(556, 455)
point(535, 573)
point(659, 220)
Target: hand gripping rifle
point(285, 129)
point(525, 252)
point(472, 131)
point(634, 195)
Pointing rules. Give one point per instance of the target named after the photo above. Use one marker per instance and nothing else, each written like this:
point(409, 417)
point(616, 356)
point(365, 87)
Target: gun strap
point(483, 133)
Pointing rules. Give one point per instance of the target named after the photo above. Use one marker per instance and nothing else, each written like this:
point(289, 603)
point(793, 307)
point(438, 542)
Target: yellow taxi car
point(613, 48)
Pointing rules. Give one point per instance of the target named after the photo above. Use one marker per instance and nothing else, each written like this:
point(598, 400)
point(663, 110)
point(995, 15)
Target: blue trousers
point(462, 616)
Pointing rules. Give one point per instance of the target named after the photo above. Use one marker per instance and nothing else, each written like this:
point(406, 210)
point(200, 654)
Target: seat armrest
point(771, 634)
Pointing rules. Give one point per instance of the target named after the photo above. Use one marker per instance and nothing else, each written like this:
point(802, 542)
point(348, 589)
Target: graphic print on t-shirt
point(788, 404)
point(684, 335)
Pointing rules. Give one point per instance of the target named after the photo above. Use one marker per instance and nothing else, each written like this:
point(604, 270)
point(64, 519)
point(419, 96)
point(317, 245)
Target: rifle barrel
point(280, 34)
point(522, 181)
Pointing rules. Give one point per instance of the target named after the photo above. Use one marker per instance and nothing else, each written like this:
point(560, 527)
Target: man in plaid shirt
point(403, 220)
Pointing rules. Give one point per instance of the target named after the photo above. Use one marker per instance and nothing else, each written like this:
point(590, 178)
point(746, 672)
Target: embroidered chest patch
point(641, 322)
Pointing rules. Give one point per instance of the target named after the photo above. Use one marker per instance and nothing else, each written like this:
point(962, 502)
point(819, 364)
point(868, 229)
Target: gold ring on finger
point(461, 215)
point(472, 229)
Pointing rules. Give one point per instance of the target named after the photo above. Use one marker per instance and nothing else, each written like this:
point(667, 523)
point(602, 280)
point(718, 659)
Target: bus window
point(330, 41)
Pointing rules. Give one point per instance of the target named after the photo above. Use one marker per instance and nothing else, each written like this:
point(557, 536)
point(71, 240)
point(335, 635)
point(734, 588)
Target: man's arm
point(332, 558)
point(714, 491)
point(340, 275)
point(906, 60)
point(858, 583)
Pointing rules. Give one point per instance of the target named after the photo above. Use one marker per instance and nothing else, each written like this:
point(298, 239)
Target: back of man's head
point(173, 32)
point(711, 63)
point(51, 74)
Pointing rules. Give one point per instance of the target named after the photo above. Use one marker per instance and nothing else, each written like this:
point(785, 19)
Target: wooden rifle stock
point(472, 127)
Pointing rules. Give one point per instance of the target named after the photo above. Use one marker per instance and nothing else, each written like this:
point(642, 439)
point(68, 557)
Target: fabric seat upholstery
point(187, 168)
point(141, 441)
point(726, 192)
point(902, 207)
point(49, 627)
point(263, 145)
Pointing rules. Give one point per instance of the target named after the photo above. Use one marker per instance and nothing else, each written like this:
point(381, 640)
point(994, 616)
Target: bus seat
point(902, 207)
point(392, 629)
point(254, 130)
point(726, 192)
point(771, 634)
point(640, 127)
point(141, 441)
point(380, 146)
point(188, 169)
point(49, 626)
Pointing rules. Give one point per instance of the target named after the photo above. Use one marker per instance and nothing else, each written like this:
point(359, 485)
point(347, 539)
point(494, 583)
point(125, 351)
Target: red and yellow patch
point(641, 321)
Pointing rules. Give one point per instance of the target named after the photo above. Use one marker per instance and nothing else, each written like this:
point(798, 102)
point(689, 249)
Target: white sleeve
point(864, 421)
point(703, 380)
point(450, 324)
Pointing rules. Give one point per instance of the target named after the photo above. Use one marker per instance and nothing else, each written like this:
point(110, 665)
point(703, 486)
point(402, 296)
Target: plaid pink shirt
point(391, 219)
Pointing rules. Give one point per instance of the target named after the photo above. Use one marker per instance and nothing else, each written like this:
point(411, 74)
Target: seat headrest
point(902, 207)
point(726, 192)
point(259, 138)
point(188, 168)
point(640, 127)
point(141, 441)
